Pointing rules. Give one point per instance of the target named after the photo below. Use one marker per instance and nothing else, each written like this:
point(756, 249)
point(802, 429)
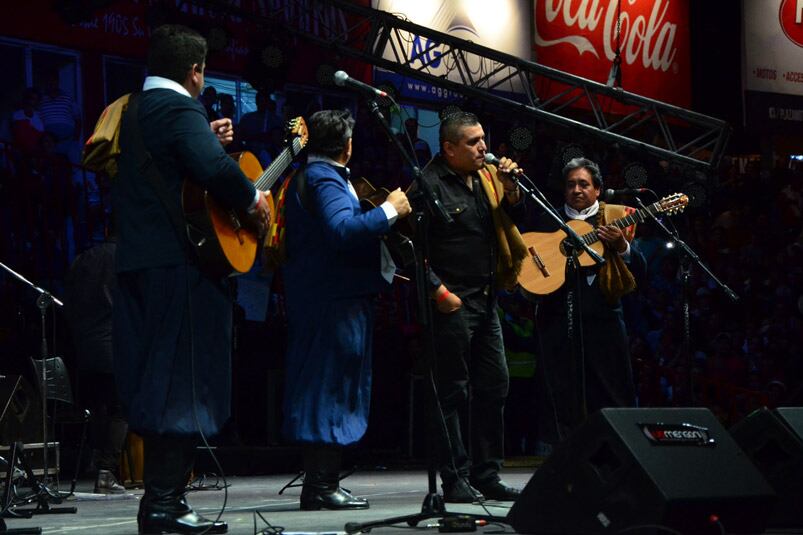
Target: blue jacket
point(332, 243)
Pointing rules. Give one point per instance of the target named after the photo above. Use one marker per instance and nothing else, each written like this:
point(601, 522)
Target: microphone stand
point(433, 505)
point(43, 494)
point(689, 257)
point(572, 246)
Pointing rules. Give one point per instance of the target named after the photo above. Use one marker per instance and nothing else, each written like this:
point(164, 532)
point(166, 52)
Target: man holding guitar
point(172, 322)
point(595, 346)
point(335, 264)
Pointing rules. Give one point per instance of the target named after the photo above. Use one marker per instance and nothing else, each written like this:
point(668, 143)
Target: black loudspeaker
point(625, 468)
point(773, 439)
point(20, 411)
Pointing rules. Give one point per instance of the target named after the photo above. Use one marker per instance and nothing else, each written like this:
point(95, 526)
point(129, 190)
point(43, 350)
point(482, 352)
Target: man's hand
point(399, 201)
point(260, 214)
point(223, 129)
point(445, 301)
point(613, 237)
point(505, 172)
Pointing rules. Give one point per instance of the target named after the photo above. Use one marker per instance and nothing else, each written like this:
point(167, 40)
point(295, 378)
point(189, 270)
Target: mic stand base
point(18, 531)
point(433, 507)
point(41, 493)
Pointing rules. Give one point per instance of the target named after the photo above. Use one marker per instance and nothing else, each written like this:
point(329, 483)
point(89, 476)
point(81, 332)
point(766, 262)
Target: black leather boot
point(164, 509)
point(170, 513)
point(321, 488)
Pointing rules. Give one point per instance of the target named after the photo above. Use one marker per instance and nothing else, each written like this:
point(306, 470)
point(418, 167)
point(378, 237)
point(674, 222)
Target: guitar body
point(548, 246)
point(544, 268)
point(225, 245)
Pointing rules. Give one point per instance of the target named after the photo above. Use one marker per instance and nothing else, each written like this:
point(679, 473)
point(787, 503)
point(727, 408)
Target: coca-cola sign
point(791, 17)
point(652, 36)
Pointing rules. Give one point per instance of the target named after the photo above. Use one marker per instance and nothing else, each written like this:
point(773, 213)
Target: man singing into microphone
point(480, 252)
point(597, 292)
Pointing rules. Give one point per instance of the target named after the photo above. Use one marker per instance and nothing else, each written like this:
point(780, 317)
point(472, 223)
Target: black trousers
point(167, 467)
point(469, 351)
point(108, 428)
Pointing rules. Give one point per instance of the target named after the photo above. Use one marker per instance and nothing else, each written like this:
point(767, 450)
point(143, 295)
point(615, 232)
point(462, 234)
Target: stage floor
point(391, 494)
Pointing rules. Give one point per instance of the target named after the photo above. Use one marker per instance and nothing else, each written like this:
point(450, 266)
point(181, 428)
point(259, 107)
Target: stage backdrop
point(123, 28)
point(579, 36)
point(772, 73)
point(498, 24)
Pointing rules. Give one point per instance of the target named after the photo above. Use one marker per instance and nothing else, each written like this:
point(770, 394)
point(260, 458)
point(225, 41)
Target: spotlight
point(272, 57)
point(325, 74)
point(448, 110)
point(635, 175)
point(569, 152)
point(521, 138)
point(670, 245)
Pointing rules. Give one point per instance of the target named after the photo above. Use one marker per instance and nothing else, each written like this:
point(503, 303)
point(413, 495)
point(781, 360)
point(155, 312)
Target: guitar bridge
point(538, 261)
point(236, 225)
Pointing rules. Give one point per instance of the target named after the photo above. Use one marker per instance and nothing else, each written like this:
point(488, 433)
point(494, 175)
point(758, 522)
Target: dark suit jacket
point(175, 130)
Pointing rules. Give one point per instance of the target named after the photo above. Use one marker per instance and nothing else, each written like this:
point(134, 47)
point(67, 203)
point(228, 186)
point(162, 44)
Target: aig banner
point(773, 63)
point(580, 36)
point(503, 25)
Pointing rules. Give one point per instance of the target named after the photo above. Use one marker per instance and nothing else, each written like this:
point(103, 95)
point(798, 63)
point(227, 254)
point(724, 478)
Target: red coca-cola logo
point(791, 16)
point(646, 33)
point(580, 36)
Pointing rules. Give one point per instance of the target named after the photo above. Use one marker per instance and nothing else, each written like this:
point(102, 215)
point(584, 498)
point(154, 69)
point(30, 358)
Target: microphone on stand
point(611, 193)
point(493, 160)
point(344, 80)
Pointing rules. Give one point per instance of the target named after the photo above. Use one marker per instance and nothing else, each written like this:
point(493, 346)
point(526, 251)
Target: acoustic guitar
point(399, 245)
point(225, 245)
point(544, 268)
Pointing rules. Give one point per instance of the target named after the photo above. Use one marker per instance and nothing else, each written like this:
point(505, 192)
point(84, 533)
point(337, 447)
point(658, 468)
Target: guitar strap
point(301, 187)
point(147, 167)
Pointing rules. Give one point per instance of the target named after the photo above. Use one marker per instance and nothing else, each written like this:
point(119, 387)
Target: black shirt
point(462, 255)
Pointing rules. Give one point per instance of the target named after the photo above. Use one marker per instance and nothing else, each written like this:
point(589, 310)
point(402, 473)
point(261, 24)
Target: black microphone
point(611, 193)
point(342, 79)
point(493, 160)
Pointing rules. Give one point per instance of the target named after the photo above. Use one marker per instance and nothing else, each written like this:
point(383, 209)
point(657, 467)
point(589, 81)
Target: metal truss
point(384, 40)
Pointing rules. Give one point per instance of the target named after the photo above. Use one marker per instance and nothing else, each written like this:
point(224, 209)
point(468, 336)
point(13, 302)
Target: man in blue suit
point(171, 322)
point(336, 263)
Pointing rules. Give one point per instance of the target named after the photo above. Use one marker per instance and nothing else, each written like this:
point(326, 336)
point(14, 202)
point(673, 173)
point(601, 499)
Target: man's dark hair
point(452, 123)
point(329, 132)
point(173, 50)
point(588, 165)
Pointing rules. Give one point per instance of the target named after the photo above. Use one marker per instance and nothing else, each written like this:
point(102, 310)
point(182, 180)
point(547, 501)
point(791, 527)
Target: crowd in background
point(748, 230)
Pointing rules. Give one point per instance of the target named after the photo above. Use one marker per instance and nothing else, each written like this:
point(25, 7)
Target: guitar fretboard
point(639, 216)
point(277, 167)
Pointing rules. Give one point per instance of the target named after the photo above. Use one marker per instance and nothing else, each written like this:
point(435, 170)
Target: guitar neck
point(639, 216)
point(276, 168)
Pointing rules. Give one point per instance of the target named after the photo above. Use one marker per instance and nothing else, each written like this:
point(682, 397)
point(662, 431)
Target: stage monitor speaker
point(20, 411)
point(773, 439)
point(627, 468)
